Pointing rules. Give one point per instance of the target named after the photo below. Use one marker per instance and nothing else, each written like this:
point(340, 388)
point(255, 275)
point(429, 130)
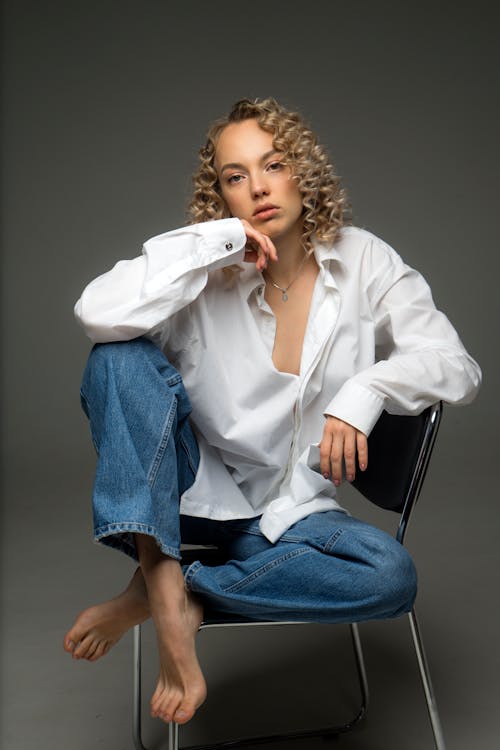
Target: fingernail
point(349, 477)
point(362, 467)
point(336, 482)
point(326, 475)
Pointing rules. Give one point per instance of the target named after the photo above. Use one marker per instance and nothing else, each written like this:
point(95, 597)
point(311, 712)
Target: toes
point(102, 648)
point(69, 645)
point(83, 648)
point(156, 700)
point(94, 651)
point(73, 638)
point(171, 707)
point(91, 653)
point(76, 633)
point(183, 714)
point(164, 704)
point(156, 705)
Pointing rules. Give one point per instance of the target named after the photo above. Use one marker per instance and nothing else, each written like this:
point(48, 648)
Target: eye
point(274, 166)
point(234, 179)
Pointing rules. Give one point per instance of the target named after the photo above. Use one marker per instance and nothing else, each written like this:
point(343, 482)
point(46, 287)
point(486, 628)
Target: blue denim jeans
point(328, 567)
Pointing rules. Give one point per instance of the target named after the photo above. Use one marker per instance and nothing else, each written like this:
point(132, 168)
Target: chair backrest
point(399, 449)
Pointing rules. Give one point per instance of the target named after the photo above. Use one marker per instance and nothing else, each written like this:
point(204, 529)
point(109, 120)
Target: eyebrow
point(236, 165)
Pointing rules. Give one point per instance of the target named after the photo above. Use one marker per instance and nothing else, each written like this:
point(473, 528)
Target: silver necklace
point(284, 290)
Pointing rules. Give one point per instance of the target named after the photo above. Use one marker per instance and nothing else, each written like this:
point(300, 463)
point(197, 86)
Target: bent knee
point(118, 353)
point(396, 580)
point(119, 360)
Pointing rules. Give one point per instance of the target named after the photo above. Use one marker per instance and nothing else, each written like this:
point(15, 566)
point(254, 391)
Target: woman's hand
point(259, 247)
point(342, 441)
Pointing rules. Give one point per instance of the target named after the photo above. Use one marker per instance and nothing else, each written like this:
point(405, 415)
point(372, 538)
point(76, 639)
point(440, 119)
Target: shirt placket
point(325, 314)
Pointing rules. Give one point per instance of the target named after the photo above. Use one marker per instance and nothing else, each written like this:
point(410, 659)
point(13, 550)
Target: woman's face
point(255, 185)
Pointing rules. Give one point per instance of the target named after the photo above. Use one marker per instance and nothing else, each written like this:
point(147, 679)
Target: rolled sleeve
point(208, 246)
point(138, 295)
point(356, 405)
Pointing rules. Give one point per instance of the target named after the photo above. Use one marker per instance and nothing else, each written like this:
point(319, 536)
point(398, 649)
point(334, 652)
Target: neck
point(291, 254)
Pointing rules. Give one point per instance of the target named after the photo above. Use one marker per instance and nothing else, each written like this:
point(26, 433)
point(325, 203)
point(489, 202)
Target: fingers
point(362, 448)
point(341, 445)
point(259, 247)
point(350, 455)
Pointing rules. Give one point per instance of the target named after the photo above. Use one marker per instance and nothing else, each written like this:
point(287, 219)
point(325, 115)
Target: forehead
point(242, 142)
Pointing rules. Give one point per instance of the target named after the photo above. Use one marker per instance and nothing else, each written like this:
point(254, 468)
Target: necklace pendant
point(284, 296)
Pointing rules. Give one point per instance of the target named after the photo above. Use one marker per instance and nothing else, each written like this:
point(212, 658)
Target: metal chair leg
point(173, 736)
point(360, 665)
point(426, 681)
point(173, 728)
point(136, 730)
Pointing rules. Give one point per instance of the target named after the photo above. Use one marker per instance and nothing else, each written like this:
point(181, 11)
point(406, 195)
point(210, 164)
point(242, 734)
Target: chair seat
point(399, 449)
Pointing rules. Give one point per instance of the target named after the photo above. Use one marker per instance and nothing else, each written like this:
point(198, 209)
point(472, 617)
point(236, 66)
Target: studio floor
point(260, 680)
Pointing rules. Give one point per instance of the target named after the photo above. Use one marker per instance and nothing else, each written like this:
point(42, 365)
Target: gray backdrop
point(105, 107)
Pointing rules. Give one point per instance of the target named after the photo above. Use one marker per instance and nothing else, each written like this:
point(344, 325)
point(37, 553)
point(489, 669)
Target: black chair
point(399, 451)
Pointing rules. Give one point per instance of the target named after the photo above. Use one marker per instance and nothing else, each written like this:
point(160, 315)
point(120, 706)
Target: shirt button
point(229, 246)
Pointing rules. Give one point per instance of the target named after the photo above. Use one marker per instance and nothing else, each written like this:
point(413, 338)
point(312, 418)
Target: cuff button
point(229, 245)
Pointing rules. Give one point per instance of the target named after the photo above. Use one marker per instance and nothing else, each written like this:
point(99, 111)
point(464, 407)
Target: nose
point(259, 186)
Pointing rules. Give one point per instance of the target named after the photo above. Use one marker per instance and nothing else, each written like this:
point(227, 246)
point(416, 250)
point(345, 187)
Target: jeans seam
point(167, 428)
point(332, 541)
point(235, 587)
point(191, 572)
point(123, 527)
point(192, 463)
point(173, 380)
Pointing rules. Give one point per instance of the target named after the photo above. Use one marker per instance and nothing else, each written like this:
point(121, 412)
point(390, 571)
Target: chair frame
point(428, 427)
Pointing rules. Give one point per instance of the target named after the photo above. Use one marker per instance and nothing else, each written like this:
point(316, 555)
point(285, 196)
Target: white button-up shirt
point(374, 341)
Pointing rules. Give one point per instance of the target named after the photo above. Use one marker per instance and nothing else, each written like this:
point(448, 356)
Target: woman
point(291, 333)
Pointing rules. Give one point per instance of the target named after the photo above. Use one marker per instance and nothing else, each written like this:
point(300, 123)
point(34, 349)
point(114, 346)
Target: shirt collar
point(326, 256)
point(249, 279)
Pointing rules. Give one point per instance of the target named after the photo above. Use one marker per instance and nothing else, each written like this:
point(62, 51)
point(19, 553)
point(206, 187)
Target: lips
point(265, 211)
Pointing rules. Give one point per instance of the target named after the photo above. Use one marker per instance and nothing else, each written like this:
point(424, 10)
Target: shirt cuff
point(226, 240)
point(356, 405)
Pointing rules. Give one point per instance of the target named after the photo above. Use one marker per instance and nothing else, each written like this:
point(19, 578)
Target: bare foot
point(177, 616)
point(181, 687)
point(98, 628)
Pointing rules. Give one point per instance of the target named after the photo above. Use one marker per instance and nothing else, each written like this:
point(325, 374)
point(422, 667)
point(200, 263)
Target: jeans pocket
point(266, 572)
point(319, 530)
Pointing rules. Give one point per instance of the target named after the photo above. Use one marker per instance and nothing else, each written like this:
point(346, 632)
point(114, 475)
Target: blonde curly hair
point(324, 200)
